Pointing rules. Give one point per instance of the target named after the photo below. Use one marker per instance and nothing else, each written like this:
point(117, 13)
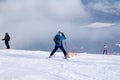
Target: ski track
point(35, 65)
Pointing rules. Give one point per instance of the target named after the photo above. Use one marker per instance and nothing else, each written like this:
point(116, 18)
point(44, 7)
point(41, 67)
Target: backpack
point(57, 39)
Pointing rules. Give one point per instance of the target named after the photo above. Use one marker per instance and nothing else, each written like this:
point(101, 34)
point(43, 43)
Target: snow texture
point(35, 65)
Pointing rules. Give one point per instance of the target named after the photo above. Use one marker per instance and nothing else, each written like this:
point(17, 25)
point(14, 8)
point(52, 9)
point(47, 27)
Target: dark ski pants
point(7, 44)
point(105, 51)
point(55, 49)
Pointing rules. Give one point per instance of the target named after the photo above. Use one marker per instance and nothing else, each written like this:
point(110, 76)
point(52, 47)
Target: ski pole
point(66, 47)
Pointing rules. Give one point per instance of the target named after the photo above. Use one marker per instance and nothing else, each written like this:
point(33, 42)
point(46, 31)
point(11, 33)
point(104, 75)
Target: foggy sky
point(32, 24)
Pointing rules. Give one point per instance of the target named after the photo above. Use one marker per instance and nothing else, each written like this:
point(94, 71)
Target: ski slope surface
point(35, 65)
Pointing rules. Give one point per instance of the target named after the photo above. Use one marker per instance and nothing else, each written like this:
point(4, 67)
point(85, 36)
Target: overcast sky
point(32, 24)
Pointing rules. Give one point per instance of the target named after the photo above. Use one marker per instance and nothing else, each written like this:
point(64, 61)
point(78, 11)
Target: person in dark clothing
point(58, 44)
point(7, 39)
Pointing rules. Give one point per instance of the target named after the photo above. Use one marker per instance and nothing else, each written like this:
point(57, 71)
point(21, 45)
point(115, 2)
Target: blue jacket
point(62, 37)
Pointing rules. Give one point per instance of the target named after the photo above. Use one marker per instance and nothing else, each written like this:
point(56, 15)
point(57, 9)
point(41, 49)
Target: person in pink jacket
point(105, 50)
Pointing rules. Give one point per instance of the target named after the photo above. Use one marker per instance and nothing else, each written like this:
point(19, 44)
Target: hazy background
point(87, 24)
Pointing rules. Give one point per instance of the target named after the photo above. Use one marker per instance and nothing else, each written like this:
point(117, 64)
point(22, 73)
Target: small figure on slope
point(58, 44)
point(7, 39)
point(105, 51)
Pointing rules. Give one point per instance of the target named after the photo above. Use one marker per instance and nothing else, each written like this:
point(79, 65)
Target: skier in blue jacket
point(58, 44)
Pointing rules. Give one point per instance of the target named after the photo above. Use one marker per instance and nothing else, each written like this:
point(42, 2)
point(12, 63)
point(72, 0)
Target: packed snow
point(35, 65)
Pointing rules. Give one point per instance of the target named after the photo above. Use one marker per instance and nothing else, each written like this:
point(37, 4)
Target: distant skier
point(105, 51)
point(58, 44)
point(7, 39)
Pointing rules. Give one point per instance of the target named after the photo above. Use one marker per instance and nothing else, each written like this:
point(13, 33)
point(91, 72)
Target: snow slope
point(35, 65)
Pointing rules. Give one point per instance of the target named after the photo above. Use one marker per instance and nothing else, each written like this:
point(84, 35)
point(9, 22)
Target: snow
point(117, 45)
point(35, 65)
